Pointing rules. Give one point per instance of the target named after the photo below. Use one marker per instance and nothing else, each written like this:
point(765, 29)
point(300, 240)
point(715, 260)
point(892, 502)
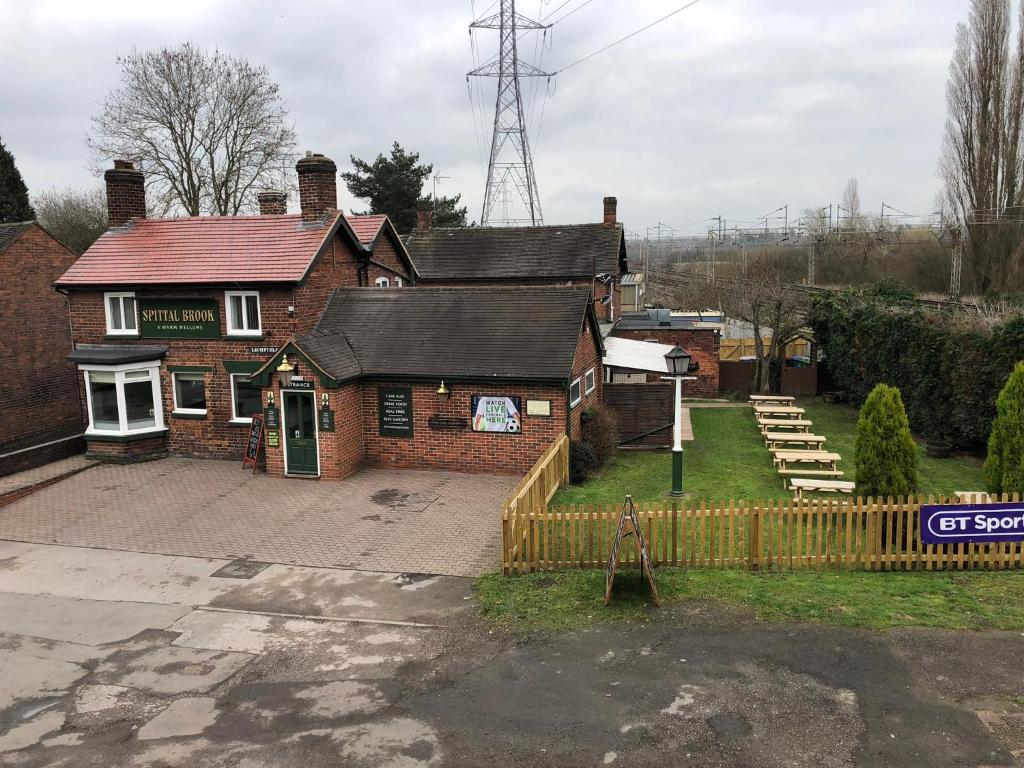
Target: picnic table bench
point(773, 425)
point(779, 410)
point(805, 474)
point(779, 439)
point(776, 399)
point(783, 457)
point(801, 484)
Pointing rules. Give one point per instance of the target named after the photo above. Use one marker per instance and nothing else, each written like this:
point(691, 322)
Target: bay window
point(123, 399)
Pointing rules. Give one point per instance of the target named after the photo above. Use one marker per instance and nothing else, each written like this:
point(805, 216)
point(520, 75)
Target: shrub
point(1004, 467)
point(885, 452)
point(582, 461)
point(601, 432)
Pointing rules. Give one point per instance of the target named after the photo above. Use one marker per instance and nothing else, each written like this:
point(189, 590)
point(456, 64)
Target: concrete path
point(379, 520)
point(9, 484)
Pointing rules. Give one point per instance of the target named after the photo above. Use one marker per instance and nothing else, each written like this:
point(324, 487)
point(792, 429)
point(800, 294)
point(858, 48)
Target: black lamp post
point(677, 360)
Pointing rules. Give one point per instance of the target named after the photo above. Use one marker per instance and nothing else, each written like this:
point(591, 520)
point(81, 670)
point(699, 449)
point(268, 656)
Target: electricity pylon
point(511, 163)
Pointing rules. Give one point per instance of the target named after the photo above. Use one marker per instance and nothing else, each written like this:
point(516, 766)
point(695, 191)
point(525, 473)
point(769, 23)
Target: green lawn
point(727, 460)
point(573, 599)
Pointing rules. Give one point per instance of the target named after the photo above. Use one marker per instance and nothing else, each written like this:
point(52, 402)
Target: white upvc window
point(398, 282)
point(382, 282)
point(189, 393)
point(590, 380)
point(123, 399)
point(243, 309)
point(121, 315)
point(246, 398)
point(574, 393)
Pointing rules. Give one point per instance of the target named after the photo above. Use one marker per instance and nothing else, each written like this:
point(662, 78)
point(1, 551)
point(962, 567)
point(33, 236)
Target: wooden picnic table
point(778, 439)
point(773, 425)
point(803, 473)
point(779, 410)
point(783, 457)
point(821, 485)
point(777, 399)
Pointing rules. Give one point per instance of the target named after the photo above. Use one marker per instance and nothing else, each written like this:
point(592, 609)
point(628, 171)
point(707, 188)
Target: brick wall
point(701, 343)
point(463, 450)
point(587, 357)
point(40, 392)
point(385, 252)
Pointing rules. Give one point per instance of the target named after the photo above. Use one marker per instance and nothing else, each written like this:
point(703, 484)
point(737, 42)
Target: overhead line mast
point(510, 159)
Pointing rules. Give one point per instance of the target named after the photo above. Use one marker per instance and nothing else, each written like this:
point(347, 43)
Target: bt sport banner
point(497, 414)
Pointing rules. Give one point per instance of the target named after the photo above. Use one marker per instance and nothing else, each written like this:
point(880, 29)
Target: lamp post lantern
point(677, 361)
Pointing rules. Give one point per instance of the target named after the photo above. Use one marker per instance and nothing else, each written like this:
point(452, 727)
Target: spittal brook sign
point(179, 319)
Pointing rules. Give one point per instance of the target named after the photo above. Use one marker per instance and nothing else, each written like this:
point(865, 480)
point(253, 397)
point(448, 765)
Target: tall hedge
point(1004, 467)
point(949, 376)
point(885, 452)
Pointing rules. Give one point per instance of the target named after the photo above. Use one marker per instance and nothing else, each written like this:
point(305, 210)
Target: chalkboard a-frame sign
point(254, 443)
point(629, 525)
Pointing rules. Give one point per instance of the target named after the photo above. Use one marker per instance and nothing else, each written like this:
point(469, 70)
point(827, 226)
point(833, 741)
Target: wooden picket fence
point(534, 491)
point(851, 534)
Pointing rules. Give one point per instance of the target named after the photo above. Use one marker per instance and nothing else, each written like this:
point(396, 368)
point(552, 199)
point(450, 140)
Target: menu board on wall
point(394, 409)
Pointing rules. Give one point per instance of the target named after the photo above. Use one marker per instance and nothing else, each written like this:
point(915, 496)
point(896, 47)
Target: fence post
point(754, 534)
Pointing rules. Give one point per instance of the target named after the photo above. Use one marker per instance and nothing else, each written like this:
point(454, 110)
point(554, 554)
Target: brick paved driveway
point(380, 519)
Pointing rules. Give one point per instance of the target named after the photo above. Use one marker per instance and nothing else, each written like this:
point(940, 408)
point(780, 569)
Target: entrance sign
point(299, 384)
point(629, 525)
point(972, 523)
point(254, 443)
point(179, 319)
point(394, 411)
point(497, 414)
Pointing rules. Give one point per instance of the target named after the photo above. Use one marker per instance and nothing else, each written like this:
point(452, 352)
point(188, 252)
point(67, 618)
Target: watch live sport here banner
point(497, 414)
point(971, 523)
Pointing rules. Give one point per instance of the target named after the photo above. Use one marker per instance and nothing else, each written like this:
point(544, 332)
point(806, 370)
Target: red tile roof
point(367, 226)
point(203, 249)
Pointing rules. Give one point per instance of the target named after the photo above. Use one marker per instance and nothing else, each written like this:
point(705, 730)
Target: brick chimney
point(272, 202)
point(318, 186)
point(424, 216)
point(610, 211)
point(126, 193)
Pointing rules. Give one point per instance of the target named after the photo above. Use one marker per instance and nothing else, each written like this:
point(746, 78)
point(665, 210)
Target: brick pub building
point(40, 420)
point(185, 329)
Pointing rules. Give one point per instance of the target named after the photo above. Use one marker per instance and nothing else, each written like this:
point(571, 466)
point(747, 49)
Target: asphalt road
point(124, 659)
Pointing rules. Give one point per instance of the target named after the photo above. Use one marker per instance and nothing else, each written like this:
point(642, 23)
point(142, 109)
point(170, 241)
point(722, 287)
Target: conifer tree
point(885, 452)
point(1004, 467)
point(14, 204)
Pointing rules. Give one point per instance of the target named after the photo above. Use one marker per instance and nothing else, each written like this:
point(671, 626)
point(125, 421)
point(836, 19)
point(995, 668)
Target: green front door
point(300, 433)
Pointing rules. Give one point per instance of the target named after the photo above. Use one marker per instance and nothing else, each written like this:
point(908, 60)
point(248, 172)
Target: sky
point(731, 107)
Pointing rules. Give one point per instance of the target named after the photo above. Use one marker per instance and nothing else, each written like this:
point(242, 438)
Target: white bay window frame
point(152, 369)
point(246, 328)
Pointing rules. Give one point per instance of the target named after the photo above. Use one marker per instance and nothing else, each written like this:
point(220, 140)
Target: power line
point(627, 37)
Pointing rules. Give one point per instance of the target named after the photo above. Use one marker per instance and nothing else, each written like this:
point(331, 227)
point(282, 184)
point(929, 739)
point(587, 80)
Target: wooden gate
point(643, 412)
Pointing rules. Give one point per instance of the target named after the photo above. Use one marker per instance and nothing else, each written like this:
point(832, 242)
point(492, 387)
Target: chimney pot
point(318, 185)
point(610, 210)
point(126, 193)
point(424, 216)
point(272, 202)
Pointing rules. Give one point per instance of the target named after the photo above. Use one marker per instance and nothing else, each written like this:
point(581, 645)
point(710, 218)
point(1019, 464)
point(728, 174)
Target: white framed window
point(574, 393)
point(591, 381)
point(123, 399)
point(398, 282)
point(243, 309)
point(246, 398)
point(121, 315)
point(189, 393)
point(381, 282)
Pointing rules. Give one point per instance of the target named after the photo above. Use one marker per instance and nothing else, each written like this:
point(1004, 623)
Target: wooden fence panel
point(776, 535)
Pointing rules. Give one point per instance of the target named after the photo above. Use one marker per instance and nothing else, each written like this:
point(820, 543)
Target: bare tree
point(854, 218)
point(76, 217)
point(981, 158)
point(210, 131)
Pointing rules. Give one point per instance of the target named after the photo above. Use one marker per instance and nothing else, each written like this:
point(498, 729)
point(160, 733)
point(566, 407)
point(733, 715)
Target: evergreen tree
point(885, 452)
point(447, 212)
point(1004, 467)
point(14, 204)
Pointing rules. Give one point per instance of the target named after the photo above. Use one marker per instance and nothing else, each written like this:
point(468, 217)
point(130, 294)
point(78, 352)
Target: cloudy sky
point(732, 107)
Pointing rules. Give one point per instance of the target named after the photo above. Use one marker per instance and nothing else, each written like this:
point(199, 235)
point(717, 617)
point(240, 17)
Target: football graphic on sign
point(497, 414)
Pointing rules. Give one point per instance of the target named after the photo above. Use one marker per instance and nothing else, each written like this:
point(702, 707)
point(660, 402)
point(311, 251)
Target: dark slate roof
point(650, 320)
point(9, 232)
point(486, 333)
point(117, 354)
point(489, 253)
